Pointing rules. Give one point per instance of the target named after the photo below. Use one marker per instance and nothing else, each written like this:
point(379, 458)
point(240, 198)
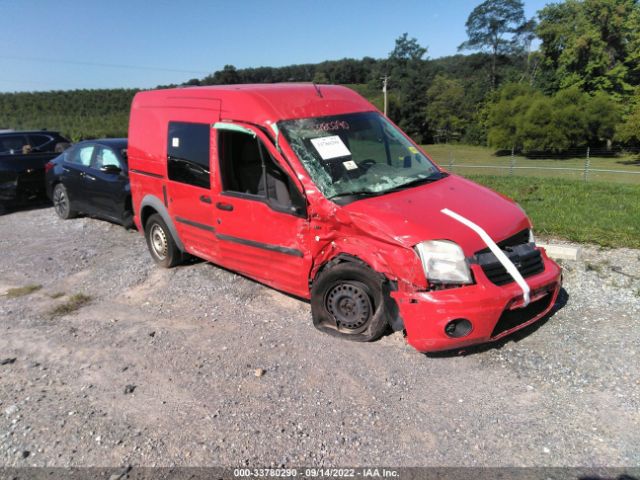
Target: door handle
point(205, 198)
point(89, 176)
point(224, 206)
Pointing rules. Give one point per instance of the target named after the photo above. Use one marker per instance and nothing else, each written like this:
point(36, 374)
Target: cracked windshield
point(357, 154)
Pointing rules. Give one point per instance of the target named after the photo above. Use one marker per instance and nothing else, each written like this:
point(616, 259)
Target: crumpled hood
point(413, 215)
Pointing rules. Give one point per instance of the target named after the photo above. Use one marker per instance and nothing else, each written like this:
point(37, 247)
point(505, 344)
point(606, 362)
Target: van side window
point(247, 167)
point(188, 153)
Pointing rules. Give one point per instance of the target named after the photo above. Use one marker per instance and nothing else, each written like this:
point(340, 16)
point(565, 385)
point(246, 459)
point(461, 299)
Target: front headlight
point(444, 262)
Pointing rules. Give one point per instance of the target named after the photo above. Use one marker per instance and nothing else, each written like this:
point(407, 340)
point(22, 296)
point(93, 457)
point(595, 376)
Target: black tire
point(349, 300)
point(62, 202)
point(162, 246)
point(127, 220)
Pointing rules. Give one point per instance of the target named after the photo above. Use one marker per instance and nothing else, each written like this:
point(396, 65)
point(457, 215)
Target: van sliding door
point(189, 186)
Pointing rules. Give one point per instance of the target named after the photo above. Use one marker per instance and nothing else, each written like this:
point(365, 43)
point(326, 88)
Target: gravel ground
point(199, 366)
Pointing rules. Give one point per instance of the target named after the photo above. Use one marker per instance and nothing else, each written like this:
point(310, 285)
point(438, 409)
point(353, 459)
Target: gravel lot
point(160, 367)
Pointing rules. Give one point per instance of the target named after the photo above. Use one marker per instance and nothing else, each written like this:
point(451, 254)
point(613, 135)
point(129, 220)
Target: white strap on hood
point(502, 258)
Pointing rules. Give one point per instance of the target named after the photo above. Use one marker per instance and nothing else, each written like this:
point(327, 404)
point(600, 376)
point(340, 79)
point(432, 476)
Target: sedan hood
point(413, 215)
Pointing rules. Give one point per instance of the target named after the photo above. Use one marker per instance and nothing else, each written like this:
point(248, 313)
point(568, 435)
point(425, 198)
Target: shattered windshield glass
point(357, 154)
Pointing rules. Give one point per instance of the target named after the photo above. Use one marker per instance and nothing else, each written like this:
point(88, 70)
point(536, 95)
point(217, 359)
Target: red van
point(312, 191)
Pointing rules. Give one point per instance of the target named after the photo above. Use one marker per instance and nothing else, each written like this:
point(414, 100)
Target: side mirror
point(111, 169)
point(300, 211)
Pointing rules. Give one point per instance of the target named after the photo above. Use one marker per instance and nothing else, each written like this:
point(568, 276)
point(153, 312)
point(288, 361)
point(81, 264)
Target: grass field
point(606, 214)
point(466, 159)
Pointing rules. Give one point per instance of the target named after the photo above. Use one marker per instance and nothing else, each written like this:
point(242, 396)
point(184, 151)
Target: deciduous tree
point(499, 27)
point(447, 113)
point(593, 44)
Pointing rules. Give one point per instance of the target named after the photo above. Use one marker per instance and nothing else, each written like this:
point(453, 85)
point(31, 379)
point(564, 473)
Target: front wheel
point(162, 246)
point(62, 203)
point(348, 300)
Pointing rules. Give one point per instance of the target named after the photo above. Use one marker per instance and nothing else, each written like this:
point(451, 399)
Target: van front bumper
point(493, 311)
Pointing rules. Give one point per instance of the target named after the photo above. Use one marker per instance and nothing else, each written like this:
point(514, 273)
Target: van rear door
point(189, 186)
point(260, 212)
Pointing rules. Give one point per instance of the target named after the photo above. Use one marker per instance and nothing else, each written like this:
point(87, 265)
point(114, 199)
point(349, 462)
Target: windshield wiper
point(357, 193)
point(413, 183)
point(418, 181)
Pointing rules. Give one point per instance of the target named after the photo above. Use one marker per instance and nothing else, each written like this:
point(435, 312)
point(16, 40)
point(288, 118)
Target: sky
point(74, 44)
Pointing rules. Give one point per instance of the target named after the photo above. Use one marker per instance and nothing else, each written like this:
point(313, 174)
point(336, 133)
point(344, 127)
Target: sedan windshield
point(359, 154)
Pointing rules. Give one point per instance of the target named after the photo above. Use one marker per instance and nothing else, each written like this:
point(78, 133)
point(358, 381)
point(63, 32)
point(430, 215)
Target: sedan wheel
point(61, 202)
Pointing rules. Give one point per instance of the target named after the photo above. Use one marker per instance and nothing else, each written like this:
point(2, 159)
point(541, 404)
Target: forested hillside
point(581, 87)
point(97, 113)
point(78, 114)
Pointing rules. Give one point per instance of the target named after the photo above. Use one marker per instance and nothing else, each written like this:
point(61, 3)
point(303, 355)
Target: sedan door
point(75, 166)
point(105, 183)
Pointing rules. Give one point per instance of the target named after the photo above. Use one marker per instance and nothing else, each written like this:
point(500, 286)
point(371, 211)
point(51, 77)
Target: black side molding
point(148, 174)
point(242, 241)
point(201, 226)
point(265, 246)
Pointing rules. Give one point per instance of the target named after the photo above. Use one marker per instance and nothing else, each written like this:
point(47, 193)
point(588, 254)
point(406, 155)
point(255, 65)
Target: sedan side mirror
point(111, 169)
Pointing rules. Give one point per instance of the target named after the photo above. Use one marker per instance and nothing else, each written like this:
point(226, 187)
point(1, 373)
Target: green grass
point(74, 303)
point(22, 291)
point(606, 214)
point(466, 159)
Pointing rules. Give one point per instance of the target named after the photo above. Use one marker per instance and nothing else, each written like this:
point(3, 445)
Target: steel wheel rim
point(158, 241)
point(60, 202)
point(350, 306)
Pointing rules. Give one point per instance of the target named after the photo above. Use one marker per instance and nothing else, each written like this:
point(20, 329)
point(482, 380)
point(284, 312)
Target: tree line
point(579, 87)
point(77, 114)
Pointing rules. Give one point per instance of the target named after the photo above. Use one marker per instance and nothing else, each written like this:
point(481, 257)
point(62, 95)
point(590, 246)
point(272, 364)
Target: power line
point(96, 64)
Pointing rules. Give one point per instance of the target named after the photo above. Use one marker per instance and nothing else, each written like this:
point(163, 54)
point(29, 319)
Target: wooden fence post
point(513, 161)
point(587, 163)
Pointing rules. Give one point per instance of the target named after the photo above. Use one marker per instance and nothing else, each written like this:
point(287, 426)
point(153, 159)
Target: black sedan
point(92, 178)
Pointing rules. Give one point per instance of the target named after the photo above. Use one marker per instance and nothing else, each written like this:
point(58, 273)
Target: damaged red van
point(312, 191)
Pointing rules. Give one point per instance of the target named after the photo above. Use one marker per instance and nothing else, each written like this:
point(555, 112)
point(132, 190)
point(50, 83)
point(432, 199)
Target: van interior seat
point(277, 187)
point(249, 172)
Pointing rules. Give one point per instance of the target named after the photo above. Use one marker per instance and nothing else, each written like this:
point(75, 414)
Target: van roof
point(260, 103)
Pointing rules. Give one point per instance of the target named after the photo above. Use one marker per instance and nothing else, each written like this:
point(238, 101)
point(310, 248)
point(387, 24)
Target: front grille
point(512, 318)
point(519, 238)
point(525, 257)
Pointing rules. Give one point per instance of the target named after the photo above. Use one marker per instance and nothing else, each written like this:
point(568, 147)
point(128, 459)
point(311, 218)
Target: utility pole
point(385, 82)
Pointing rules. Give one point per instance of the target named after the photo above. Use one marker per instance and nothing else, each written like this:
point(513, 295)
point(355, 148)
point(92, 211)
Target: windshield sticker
point(350, 165)
point(331, 126)
point(175, 142)
point(330, 147)
point(413, 150)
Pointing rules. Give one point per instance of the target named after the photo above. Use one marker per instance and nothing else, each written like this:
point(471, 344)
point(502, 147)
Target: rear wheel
point(62, 203)
point(162, 246)
point(349, 300)
point(127, 220)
